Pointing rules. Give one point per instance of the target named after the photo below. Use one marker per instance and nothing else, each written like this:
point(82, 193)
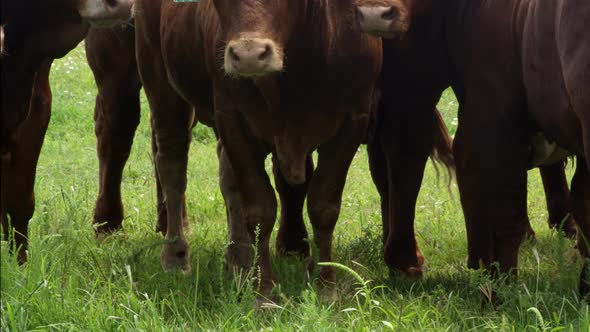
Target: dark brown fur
point(517, 68)
point(35, 32)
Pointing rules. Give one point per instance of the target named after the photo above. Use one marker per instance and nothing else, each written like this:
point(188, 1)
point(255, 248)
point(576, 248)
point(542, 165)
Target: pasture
point(74, 281)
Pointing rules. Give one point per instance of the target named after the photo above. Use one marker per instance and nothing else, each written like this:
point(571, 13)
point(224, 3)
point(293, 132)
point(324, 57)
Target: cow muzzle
point(252, 57)
point(382, 21)
point(106, 13)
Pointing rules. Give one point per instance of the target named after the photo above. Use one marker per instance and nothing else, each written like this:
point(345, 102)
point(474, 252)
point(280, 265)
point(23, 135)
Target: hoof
point(175, 256)
point(328, 277)
point(420, 257)
point(265, 303)
point(411, 273)
point(570, 231)
point(106, 228)
point(298, 248)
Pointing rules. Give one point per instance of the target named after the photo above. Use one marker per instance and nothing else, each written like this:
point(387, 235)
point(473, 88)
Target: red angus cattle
point(117, 114)
point(111, 56)
point(414, 75)
point(35, 33)
point(519, 69)
point(286, 87)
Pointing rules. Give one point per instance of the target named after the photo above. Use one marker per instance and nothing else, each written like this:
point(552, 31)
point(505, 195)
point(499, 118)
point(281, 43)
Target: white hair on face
point(92, 8)
point(1, 41)
point(102, 13)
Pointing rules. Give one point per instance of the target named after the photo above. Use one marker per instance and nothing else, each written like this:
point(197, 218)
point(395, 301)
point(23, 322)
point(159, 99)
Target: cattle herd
point(291, 77)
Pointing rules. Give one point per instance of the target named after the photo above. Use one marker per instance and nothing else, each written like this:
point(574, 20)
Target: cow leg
point(379, 174)
point(580, 196)
point(325, 195)
point(116, 116)
point(557, 195)
point(18, 178)
point(406, 155)
point(239, 252)
point(490, 154)
point(257, 196)
point(162, 218)
point(292, 236)
point(172, 121)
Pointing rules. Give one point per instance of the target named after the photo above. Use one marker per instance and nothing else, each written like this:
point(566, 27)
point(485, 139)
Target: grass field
point(73, 282)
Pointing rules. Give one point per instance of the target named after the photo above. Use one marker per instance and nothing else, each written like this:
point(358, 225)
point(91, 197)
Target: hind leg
point(406, 149)
point(557, 195)
point(292, 236)
point(116, 115)
point(18, 178)
point(378, 167)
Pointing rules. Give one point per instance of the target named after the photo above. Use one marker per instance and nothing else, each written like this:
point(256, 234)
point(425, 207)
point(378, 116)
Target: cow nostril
point(265, 54)
point(111, 3)
point(233, 55)
point(390, 14)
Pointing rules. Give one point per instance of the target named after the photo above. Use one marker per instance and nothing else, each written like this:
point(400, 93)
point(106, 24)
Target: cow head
point(255, 34)
point(385, 18)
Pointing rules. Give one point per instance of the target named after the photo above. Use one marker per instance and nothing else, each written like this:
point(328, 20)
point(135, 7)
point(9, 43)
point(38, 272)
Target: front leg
point(325, 191)
point(246, 157)
point(172, 121)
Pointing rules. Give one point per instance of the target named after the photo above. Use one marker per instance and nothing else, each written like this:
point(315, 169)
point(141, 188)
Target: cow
point(36, 32)
point(111, 57)
point(284, 86)
point(520, 70)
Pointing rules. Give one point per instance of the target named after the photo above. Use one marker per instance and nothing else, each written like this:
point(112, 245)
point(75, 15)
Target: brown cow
point(519, 69)
point(111, 56)
point(35, 33)
point(414, 76)
point(319, 102)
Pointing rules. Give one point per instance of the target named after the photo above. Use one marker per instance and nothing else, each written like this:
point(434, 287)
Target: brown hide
point(319, 101)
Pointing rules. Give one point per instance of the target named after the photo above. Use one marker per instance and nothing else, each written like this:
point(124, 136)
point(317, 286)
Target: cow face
point(385, 18)
point(255, 33)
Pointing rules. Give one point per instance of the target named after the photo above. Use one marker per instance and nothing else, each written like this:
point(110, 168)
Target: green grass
point(74, 282)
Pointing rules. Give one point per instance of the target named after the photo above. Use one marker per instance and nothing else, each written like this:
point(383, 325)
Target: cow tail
point(442, 151)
